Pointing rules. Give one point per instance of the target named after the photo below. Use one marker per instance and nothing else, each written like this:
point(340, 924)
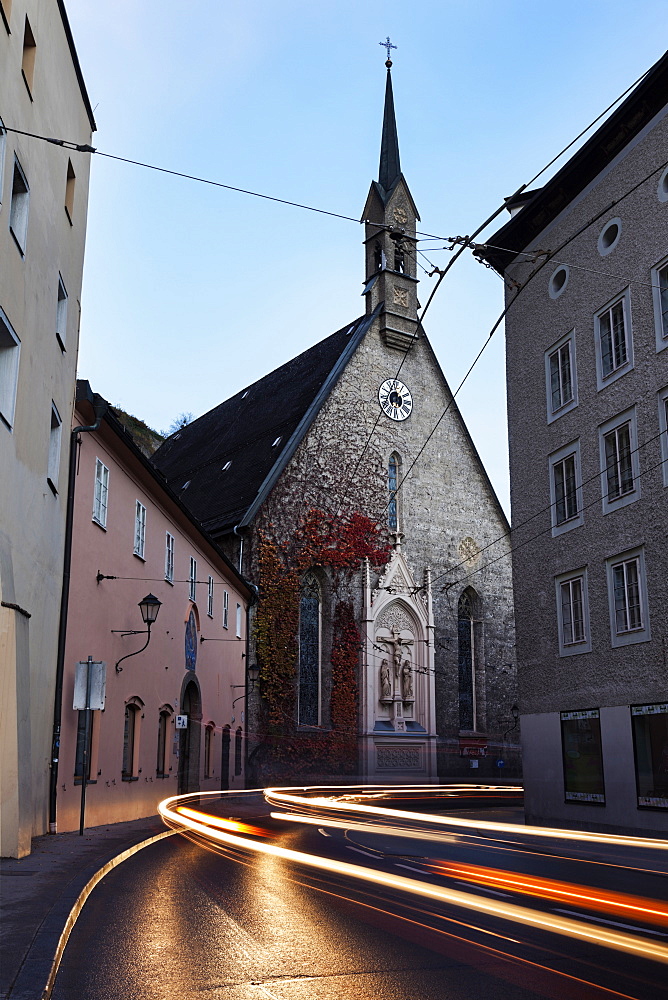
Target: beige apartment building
point(43, 207)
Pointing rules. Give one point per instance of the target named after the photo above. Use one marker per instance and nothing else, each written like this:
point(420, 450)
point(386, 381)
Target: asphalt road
point(180, 920)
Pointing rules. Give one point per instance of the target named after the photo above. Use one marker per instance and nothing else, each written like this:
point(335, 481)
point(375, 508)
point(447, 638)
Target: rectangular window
point(238, 621)
point(660, 290)
point(10, 351)
point(573, 613)
point(69, 192)
point(582, 756)
point(650, 742)
point(566, 489)
point(208, 751)
point(18, 209)
point(209, 606)
point(192, 579)
point(28, 58)
point(130, 742)
point(161, 766)
point(53, 466)
point(614, 354)
point(140, 529)
point(169, 557)
point(560, 379)
point(561, 382)
point(61, 313)
point(226, 609)
point(663, 425)
point(627, 597)
point(100, 496)
point(620, 469)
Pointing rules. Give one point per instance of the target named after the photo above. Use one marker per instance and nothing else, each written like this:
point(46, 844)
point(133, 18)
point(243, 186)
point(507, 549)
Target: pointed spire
point(389, 168)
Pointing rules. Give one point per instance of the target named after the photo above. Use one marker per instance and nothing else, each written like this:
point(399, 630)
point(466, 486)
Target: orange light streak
point(234, 826)
point(614, 903)
point(624, 942)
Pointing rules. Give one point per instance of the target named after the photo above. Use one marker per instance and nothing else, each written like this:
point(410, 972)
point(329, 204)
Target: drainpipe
point(100, 407)
point(239, 535)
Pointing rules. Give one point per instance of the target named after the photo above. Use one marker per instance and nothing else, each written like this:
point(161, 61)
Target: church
point(346, 487)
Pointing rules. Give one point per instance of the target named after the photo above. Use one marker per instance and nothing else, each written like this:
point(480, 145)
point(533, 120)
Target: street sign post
point(89, 693)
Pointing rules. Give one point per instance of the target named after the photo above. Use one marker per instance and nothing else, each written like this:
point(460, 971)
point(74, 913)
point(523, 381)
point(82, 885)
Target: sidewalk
point(38, 892)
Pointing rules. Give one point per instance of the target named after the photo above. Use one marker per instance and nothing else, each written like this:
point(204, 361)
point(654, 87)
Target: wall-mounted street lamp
point(149, 607)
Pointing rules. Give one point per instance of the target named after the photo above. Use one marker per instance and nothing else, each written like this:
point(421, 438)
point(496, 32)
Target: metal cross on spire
point(387, 44)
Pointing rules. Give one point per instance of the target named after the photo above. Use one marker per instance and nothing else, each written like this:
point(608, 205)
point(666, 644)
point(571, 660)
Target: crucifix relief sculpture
point(396, 680)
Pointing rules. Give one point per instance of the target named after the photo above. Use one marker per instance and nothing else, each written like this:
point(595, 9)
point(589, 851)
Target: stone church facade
point(345, 485)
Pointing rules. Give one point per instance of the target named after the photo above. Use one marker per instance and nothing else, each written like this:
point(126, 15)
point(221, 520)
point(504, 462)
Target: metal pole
point(86, 749)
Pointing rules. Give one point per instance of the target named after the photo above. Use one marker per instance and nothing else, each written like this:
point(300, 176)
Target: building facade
point(346, 485)
point(43, 207)
point(586, 268)
point(132, 539)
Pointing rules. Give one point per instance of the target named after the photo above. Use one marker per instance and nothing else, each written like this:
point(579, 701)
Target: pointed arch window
point(309, 652)
point(393, 470)
point(467, 633)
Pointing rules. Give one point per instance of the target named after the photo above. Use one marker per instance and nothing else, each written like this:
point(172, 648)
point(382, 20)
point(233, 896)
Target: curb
point(81, 899)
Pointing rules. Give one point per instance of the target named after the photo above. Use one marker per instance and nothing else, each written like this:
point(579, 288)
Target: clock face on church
point(395, 399)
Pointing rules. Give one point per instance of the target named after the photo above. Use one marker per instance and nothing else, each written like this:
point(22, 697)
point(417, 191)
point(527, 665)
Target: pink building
point(133, 538)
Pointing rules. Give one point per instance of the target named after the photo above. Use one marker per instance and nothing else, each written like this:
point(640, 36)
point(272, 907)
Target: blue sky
point(191, 293)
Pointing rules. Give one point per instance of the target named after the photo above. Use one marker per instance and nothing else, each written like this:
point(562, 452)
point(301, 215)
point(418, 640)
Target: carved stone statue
point(397, 662)
point(385, 682)
point(407, 682)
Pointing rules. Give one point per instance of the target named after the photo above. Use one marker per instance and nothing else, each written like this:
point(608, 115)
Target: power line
point(548, 507)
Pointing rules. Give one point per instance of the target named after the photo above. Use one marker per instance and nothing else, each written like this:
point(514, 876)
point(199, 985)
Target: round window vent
point(558, 281)
point(662, 189)
point(609, 237)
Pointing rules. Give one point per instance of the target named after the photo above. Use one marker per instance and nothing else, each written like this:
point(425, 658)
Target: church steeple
point(389, 169)
point(390, 218)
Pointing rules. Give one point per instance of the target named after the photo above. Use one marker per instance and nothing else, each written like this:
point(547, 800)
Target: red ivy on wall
point(340, 544)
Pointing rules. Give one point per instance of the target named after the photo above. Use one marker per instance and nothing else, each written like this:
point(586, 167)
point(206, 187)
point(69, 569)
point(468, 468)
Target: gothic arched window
point(466, 632)
point(392, 485)
point(309, 652)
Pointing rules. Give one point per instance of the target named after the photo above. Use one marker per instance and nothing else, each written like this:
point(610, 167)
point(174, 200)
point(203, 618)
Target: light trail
point(172, 812)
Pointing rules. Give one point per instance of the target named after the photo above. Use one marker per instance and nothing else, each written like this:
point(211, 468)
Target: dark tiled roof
point(243, 429)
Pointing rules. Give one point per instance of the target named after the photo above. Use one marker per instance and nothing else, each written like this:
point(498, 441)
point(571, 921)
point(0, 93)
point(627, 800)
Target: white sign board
point(181, 721)
point(97, 681)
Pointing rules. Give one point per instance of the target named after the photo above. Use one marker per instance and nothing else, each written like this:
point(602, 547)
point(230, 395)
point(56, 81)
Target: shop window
point(582, 756)
point(650, 742)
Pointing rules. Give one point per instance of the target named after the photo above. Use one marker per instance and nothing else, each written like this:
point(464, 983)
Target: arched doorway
point(190, 738)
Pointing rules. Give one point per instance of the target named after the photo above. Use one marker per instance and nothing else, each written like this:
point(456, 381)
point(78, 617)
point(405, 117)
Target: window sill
point(621, 501)
point(160, 777)
point(138, 556)
point(54, 488)
point(90, 781)
point(69, 217)
point(61, 342)
point(130, 777)
point(99, 523)
point(170, 582)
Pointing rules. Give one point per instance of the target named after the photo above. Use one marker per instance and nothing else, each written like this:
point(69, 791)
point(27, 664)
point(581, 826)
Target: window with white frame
point(18, 209)
point(614, 344)
point(573, 613)
point(620, 468)
point(209, 602)
point(140, 529)
point(169, 557)
point(226, 609)
point(10, 351)
point(663, 425)
point(192, 579)
point(61, 313)
point(238, 621)
point(53, 466)
point(560, 377)
point(627, 597)
point(566, 488)
point(660, 292)
point(101, 494)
